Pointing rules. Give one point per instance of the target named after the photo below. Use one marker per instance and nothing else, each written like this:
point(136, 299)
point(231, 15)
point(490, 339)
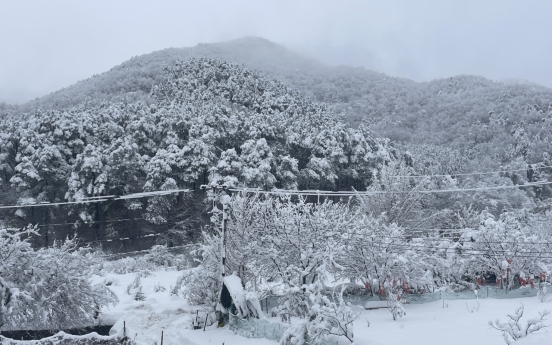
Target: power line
point(274, 192)
point(368, 193)
point(89, 222)
point(122, 239)
point(468, 251)
point(437, 239)
point(473, 173)
point(424, 246)
point(422, 221)
point(147, 250)
point(101, 198)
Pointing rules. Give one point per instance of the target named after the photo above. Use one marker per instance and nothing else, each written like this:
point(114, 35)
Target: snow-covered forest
point(341, 181)
point(282, 124)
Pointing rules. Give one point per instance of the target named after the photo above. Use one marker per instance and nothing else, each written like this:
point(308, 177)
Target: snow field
point(431, 324)
point(428, 324)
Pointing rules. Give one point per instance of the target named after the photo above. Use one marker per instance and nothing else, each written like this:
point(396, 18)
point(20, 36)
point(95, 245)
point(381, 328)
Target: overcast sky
point(47, 45)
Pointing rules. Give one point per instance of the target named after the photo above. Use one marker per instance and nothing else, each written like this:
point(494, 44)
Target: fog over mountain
point(49, 46)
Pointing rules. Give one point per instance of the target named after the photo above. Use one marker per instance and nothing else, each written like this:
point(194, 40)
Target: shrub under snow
point(542, 293)
point(201, 285)
point(157, 257)
point(394, 303)
point(49, 288)
point(129, 265)
point(323, 317)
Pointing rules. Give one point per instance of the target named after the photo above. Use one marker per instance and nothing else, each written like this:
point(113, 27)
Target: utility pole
point(225, 201)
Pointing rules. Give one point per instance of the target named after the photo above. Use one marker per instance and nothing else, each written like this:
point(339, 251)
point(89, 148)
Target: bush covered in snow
point(161, 257)
point(294, 304)
point(393, 293)
point(158, 257)
point(201, 285)
point(543, 288)
point(322, 316)
point(129, 265)
point(49, 288)
point(135, 285)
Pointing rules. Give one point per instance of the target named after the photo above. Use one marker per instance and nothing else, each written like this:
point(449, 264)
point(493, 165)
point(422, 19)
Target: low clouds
point(49, 45)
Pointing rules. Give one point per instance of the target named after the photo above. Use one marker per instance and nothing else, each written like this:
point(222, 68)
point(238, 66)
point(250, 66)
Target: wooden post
point(124, 328)
point(161, 337)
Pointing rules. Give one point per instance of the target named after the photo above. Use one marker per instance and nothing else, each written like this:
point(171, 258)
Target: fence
point(482, 293)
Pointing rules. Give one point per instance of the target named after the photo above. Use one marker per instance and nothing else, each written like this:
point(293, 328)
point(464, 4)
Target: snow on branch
point(513, 330)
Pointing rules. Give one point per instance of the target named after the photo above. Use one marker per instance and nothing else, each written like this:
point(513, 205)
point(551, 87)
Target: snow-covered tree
point(373, 252)
point(506, 246)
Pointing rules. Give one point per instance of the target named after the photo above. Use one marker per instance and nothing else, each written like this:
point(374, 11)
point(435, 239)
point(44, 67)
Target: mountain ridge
point(254, 52)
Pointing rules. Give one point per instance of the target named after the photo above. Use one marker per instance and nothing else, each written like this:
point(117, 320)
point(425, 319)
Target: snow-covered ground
point(431, 324)
point(428, 324)
point(162, 312)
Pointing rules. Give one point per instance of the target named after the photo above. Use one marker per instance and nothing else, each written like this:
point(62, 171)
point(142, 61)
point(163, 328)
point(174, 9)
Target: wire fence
point(487, 291)
point(419, 298)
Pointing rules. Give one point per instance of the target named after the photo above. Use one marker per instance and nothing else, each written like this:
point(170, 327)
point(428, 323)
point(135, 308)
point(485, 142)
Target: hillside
point(209, 121)
point(251, 113)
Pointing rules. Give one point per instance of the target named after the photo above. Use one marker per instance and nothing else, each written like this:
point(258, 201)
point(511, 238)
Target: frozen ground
point(428, 324)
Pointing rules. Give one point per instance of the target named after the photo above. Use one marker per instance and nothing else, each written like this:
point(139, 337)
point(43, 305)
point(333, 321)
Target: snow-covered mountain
point(253, 113)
